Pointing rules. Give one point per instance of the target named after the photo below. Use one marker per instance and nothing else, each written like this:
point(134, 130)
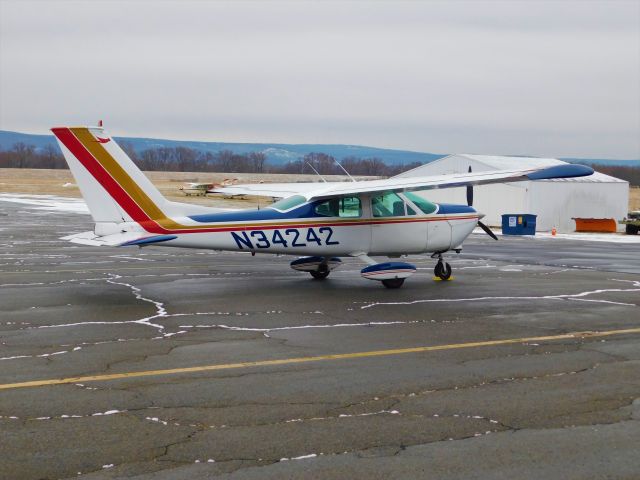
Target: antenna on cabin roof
point(99, 123)
point(343, 169)
point(317, 173)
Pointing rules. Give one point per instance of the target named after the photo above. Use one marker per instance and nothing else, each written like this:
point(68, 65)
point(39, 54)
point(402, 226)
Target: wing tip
point(571, 170)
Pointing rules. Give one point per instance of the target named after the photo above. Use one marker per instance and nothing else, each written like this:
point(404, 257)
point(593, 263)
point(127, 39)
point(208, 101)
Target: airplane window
point(350, 207)
point(422, 203)
point(340, 207)
point(387, 205)
point(288, 203)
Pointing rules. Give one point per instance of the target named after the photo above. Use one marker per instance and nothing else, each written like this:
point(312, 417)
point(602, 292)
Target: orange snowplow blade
point(595, 225)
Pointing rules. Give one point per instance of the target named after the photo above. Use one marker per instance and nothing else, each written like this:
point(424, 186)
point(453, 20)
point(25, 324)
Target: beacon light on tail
point(317, 221)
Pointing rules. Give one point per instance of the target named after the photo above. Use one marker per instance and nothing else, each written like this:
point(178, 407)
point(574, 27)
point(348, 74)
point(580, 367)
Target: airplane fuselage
point(296, 232)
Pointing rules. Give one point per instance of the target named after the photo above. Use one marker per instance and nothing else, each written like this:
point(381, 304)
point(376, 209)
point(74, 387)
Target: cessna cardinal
point(318, 222)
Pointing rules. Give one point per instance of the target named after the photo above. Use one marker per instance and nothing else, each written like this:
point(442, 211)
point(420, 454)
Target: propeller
point(470, 192)
point(486, 229)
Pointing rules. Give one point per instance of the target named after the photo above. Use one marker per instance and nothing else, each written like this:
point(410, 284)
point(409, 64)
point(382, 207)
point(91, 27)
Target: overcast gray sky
point(520, 77)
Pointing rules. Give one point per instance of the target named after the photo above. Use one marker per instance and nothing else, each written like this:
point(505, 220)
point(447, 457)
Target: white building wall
point(557, 203)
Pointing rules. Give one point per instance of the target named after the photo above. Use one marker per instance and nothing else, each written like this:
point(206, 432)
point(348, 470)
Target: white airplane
point(196, 189)
point(201, 189)
point(319, 222)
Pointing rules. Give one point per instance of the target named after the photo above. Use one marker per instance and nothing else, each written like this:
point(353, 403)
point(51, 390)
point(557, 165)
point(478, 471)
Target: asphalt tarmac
point(434, 380)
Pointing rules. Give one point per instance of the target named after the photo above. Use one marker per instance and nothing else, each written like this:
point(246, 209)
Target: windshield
point(288, 203)
point(422, 203)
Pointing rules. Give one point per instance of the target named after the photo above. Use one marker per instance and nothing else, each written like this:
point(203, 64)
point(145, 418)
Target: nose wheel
point(442, 270)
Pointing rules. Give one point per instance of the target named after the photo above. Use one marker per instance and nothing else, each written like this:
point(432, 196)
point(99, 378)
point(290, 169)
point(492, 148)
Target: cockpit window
point(288, 203)
point(422, 203)
point(344, 207)
point(388, 204)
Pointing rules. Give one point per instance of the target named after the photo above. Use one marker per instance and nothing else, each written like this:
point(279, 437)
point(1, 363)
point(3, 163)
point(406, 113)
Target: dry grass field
point(61, 183)
point(634, 198)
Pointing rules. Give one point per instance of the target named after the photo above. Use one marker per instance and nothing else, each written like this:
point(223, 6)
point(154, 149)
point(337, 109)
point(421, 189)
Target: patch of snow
point(47, 202)
point(156, 420)
point(578, 236)
point(302, 457)
point(108, 412)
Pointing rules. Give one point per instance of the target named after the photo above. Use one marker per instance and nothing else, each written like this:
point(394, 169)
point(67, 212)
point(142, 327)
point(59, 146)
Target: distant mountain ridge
point(278, 153)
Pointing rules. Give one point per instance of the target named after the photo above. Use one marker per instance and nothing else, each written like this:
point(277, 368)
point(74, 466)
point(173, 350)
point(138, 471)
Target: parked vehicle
point(632, 223)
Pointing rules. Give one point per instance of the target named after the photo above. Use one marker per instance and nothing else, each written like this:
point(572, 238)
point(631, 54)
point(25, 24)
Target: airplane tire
point(444, 272)
point(393, 282)
point(320, 275)
point(437, 271)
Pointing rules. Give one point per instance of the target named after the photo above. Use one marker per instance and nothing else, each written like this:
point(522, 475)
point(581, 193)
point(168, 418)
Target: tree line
point(183, 159)
point(630, 174)
point(22, 155)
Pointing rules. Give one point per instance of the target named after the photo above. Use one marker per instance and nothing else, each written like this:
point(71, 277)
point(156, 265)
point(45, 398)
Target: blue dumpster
point(518, 224)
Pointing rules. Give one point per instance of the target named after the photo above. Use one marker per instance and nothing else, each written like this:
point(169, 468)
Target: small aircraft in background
point(196, 189)
point(319, 222)
point(202, 189)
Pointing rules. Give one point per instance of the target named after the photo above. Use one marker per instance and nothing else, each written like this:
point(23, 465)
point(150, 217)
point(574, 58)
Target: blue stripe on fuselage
point(303, 211)
point(447, 208)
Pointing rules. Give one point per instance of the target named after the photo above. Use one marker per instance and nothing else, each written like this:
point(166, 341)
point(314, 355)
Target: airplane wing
point(277, 190)
point(313, 191)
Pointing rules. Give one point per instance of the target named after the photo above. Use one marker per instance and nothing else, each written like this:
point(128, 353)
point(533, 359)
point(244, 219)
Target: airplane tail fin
point(113, 186)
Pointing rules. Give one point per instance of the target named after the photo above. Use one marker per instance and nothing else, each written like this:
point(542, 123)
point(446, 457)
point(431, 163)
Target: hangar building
point(555, 202)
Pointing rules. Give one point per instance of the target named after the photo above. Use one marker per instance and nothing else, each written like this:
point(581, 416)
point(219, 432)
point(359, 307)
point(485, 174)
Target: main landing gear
point(442, 269)
point(318, 267)
point(393, 282)
point(321, 273)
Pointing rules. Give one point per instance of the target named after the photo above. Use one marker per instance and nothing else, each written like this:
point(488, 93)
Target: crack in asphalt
point(565, 296)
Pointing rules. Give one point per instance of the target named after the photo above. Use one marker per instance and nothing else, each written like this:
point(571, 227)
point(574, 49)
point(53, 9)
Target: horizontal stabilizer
point(150, 240)
point(122, 239)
